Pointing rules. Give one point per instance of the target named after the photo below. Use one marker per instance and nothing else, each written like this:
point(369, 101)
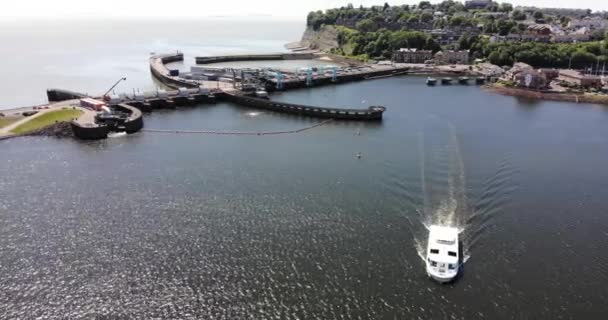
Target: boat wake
point(445, 198)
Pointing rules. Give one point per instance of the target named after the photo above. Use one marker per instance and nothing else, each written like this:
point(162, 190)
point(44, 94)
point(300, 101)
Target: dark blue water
point(294, 226)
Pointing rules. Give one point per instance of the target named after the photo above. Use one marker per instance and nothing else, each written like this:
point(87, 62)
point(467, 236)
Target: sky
point(202, 8)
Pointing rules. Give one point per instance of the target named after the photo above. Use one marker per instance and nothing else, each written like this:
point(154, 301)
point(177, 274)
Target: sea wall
point(89, 133)
point(57, 95)
point(161, 72)
point(135, 121)
point(370, 114)
point(545, 95)
point(255, 57)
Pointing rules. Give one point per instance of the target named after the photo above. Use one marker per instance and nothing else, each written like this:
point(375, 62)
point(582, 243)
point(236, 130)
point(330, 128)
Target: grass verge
point(46, 120)
point(5, 121)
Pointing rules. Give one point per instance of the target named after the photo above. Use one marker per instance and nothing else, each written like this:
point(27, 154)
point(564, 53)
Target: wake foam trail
point(444, 193)
point(494, 197)
point(443, 185)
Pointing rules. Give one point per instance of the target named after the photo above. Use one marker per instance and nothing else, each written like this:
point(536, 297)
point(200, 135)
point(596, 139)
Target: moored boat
point(431, 81)
point(480, 80)
point(446, 80)
point(463, 80)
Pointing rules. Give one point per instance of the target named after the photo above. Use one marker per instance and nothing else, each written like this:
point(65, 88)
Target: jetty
point(110, 112)
point(236, 93)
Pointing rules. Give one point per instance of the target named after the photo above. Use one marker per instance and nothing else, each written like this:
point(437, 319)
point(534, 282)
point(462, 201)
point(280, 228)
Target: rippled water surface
point(295, 226)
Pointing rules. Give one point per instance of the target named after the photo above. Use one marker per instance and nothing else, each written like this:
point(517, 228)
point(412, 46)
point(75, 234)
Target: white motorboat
point(443, 253)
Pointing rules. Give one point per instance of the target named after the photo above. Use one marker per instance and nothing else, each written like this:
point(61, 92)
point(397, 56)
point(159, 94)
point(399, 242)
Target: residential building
point(445, 37)
point(539, 29)
point(491, 14)
point(577, 78)
point(477, 4)
point(592, 23)
point(452, 57)
point(570, 38)
point(412, 55)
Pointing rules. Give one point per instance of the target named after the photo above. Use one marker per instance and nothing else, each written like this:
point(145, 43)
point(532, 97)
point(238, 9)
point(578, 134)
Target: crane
point(105, 95)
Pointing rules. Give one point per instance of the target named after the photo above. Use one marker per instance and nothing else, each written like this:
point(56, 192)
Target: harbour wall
point(342, 78)
point(58, 95)
point(161, 72)
point(545, 95)
point(372, 113)
point(89, 131)
point(255, 57)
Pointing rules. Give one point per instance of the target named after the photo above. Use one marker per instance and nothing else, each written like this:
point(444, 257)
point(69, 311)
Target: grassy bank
point(5, 121)
point(46, 120)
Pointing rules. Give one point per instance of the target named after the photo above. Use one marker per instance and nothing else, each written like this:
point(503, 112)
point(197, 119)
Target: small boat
point(431, 81)
point(463, 80)
point(443, 254)
point(480, 80)
point(446, 80)
point(262, 94)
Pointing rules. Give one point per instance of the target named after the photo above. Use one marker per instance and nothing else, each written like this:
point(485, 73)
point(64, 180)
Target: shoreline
point(550, 96)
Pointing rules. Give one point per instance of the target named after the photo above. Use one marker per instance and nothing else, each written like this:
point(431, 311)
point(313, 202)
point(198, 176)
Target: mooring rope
point(239, 133)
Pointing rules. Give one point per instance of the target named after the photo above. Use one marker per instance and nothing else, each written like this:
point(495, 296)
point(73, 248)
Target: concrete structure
point(371, 113)
point(240, 97)
point(255, 57)
point(577, 78)
point(529, 78)
point(550, 74)
point(411, 55)
point(452, 57)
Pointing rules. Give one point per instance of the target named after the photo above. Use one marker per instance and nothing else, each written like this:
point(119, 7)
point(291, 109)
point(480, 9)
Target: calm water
point(157, 225)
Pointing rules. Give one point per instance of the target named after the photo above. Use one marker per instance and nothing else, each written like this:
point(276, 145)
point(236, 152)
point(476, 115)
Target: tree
point(366, 25)
point(537, 15)
point(518, 15)
point(424, 5)
point(582, 59)
point(426, 17)
point(386, 6)
point(464, 42)
point(504, 26)
point(506, 7)
point(456, 21)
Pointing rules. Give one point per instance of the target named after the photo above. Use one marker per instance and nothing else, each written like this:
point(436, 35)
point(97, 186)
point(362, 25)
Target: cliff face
point(323, 39)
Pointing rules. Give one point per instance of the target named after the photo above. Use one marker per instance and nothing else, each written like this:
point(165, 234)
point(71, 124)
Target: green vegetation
point(5, 121)
point(381, 43)
point(377, 31)
point(540, 55)
point(46, 120)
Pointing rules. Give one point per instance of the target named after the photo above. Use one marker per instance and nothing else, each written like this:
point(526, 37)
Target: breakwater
point(229, 93)
point(162, 73)
point(58, 95)
point(371, 113)
point(255, 57)
point(88, 129)
point(374, 73)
